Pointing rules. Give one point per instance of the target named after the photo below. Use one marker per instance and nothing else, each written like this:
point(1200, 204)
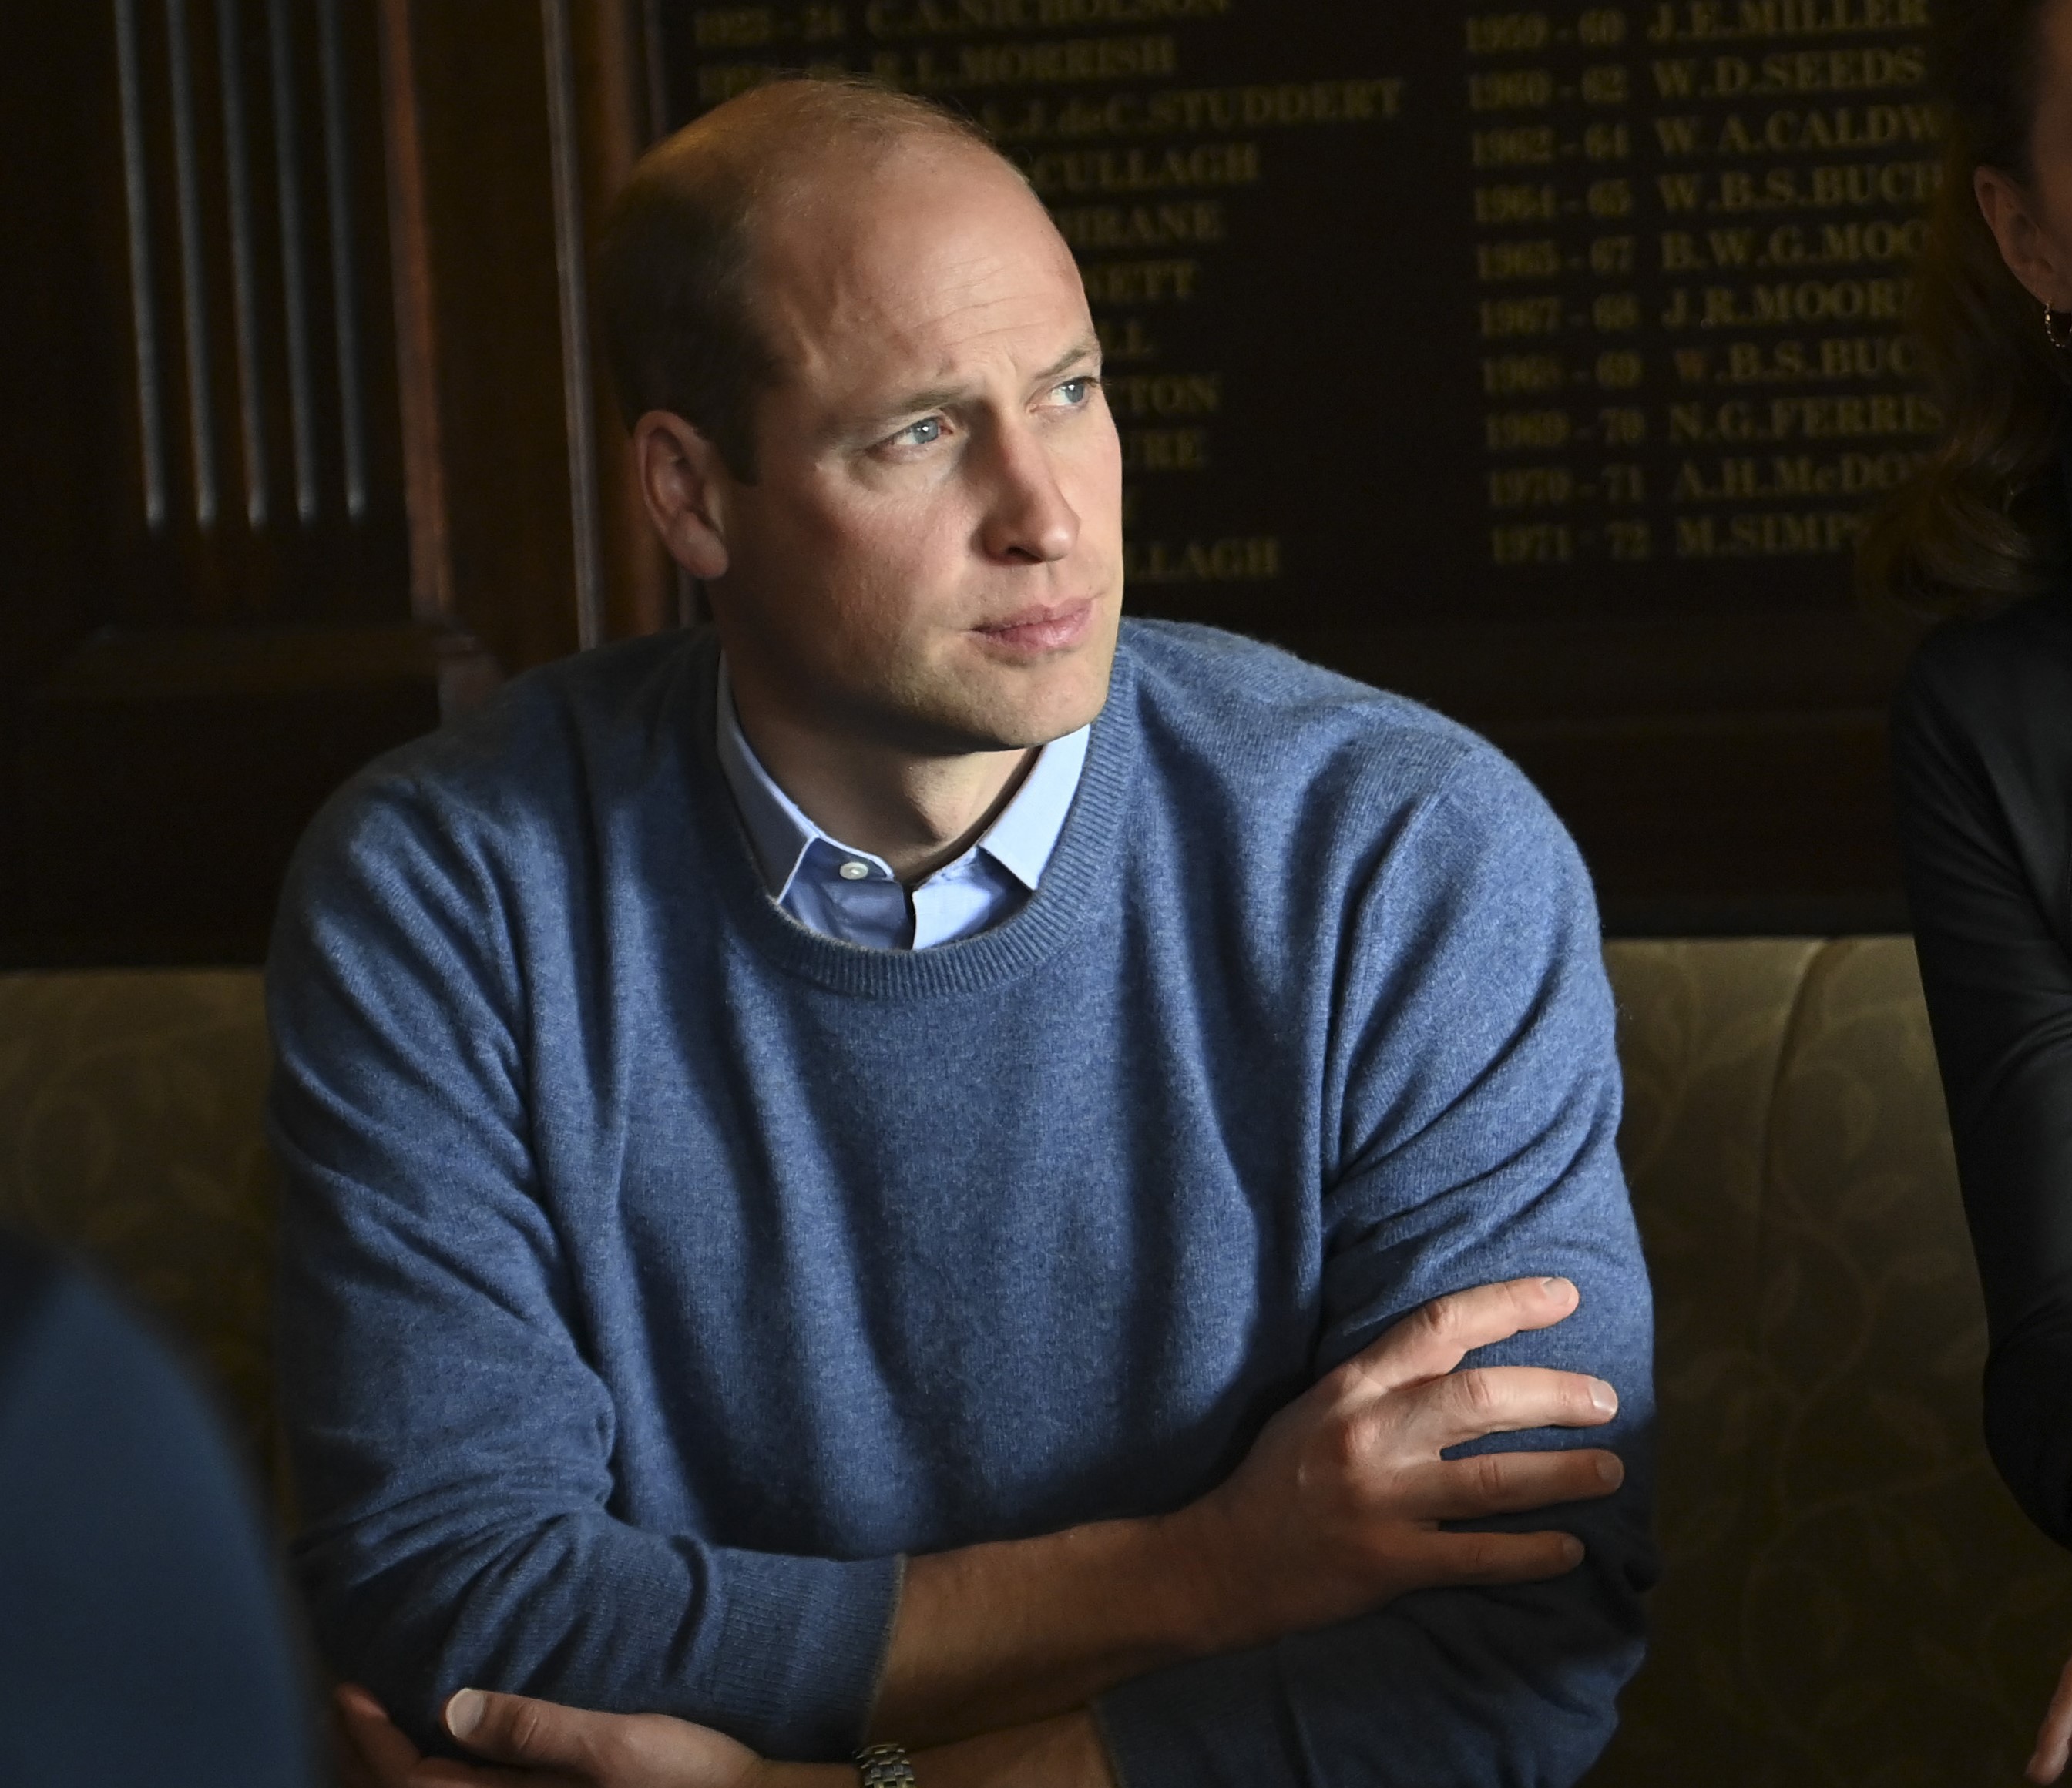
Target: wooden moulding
point(417, 345)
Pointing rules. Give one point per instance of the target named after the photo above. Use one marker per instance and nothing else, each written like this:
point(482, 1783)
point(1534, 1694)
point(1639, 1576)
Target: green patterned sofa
point(1850, 1598)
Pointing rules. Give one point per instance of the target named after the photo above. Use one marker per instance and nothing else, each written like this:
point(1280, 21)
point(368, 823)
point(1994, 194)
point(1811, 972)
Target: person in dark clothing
point(1982, 725)
point(144, 1636)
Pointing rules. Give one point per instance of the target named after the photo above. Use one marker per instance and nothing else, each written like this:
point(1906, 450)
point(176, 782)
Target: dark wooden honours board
point(1538, 363)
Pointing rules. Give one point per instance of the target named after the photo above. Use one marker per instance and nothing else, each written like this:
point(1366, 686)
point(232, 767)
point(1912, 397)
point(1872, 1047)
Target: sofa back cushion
point(1849, 1595)
point(129, 1133)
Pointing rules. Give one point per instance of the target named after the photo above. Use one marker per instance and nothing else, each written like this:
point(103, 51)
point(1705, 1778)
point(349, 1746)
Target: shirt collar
point(1021, 839)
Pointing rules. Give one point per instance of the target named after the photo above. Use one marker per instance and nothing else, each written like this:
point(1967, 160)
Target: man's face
point(931, 556)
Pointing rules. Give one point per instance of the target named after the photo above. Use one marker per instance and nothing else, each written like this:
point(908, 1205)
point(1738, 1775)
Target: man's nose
point(1029, 519)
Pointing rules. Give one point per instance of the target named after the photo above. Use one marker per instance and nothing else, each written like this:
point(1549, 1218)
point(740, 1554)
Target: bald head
point(679, 262)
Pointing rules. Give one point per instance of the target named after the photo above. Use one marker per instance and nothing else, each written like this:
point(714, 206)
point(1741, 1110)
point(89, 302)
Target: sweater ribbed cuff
point(800, 1648)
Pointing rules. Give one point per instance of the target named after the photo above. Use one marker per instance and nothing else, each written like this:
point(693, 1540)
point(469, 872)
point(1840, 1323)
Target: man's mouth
point(1041, 628)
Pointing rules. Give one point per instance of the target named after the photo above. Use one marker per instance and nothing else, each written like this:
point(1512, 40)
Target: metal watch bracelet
point(884, 1766)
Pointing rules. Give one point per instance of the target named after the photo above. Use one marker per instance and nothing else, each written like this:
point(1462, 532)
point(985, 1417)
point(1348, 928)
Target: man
point(904, 1172)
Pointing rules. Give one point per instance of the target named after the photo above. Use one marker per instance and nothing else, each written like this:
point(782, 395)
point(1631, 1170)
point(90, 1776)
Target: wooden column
point(523, 119)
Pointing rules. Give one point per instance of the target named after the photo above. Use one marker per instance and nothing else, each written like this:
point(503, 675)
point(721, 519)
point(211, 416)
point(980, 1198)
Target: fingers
point(1440, 1560)
point(2053, 1742)
point(372, 1753)
point(1510, 1483)
point(1502, 1400)
point(1434, 1337)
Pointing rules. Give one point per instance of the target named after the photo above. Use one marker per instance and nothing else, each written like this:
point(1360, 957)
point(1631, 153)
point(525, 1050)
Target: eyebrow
point(942, 396)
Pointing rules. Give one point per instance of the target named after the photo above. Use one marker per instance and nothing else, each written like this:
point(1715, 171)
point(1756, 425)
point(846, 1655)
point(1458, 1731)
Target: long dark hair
point(1982, 523)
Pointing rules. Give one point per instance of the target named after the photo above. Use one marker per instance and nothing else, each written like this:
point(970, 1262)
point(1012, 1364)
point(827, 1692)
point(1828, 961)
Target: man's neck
point(915, 812)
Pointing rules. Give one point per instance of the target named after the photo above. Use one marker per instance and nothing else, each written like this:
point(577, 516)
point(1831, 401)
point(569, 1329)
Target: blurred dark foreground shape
point(145, 1637)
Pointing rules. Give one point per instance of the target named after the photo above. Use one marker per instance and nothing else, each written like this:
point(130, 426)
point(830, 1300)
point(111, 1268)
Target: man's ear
point(2030, 254)
point(685, 483)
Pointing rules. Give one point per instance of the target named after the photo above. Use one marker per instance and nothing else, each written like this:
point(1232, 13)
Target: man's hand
point(543, 1744)
point(1336, 1510)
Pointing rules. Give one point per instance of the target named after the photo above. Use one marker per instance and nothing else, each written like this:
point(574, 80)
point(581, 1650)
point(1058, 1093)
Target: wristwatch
point(884, 1766)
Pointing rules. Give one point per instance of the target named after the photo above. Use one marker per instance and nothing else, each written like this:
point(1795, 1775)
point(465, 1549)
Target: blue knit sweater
point(658, 1272)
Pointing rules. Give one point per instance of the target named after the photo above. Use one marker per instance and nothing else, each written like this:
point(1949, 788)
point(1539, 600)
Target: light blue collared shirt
point(850, 894)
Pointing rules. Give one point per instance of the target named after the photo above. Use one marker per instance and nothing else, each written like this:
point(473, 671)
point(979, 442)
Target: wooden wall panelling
point(417, 326)
point(208, 620)
point(617, 112)
point(526, 119)
point(572, 296)
point(487, 197)
point(69, 450)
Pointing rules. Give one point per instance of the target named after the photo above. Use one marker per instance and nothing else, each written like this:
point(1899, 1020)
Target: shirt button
point(854, 871)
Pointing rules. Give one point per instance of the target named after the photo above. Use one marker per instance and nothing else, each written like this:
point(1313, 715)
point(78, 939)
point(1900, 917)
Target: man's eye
point(923, 433)
point(1076, 392)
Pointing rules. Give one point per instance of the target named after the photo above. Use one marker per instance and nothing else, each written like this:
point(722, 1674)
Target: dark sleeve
point(1477, 1092)
point(453, 1444)
point(143, 1635)
point(1982, 744)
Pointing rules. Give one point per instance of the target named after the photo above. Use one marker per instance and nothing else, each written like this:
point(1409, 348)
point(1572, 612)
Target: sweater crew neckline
point(1079, 869)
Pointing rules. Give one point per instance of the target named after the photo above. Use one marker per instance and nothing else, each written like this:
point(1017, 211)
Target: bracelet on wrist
point(884, 1766)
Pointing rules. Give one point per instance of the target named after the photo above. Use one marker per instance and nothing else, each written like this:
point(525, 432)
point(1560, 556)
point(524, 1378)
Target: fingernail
point(1554, 1287)
point(1603, 1398)
point(464, 1711)
point(1572, 1549)
point(1611, 1469)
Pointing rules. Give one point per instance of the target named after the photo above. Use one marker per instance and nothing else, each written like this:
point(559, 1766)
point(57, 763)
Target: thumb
point(516, 1728)
point(640, 1750)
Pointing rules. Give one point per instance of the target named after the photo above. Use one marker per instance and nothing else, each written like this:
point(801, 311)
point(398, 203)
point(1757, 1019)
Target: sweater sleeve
point(1983, 770)
point(452, 1445)
point(1476, 1102)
